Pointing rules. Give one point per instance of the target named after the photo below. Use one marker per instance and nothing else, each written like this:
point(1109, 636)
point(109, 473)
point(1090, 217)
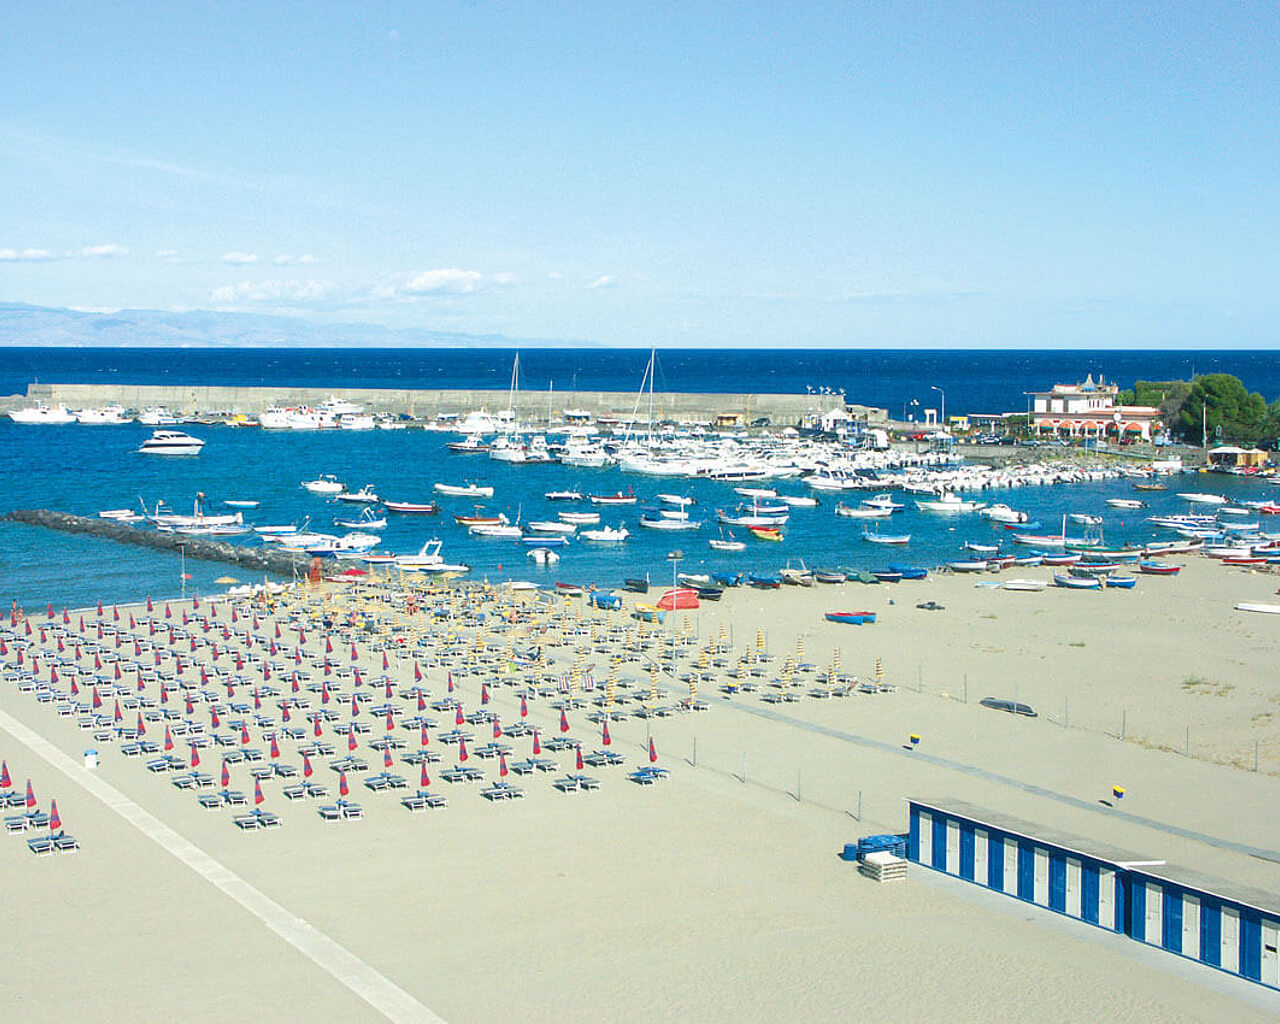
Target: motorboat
point(666, 523)
point(551, 526)
point(726, 542)
point(356, 421)
point(543, 556)
point(171, 442)
point(563, 496)
point(1126, 503)
point(1001, 513)
point(1085, 518)
point(606, 535)
point(863, 511)
point(581, 518)
point(157, 416)
point(428, 559)
point(882, 501)
point(162, 518)
point(463, 490)
point(364, 496)
point(326, 483)
point(949, 501)
point(43, 414)
point(612, 499)
point(503, 531)
point(107, 415)
point(241, 502)
point(1202, 499)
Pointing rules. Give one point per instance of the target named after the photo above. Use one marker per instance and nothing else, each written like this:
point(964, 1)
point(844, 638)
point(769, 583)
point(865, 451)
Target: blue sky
point(819, 175)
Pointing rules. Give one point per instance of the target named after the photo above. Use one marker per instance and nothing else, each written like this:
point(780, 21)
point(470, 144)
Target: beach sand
point(717, 894)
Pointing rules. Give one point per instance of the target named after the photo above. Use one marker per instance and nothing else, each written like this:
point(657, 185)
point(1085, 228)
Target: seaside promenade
point(713, 893)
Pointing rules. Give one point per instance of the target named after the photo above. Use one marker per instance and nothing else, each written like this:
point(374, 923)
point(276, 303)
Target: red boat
point(681, 597)
point(1159, 569)
point(498, 520)
point(612, 499)
point(429, 508)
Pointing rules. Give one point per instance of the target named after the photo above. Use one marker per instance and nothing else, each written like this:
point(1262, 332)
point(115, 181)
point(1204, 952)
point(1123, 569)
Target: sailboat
point(726, 542)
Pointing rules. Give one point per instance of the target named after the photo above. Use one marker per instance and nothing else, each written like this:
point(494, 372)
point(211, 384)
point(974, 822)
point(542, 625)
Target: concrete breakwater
point(252, 559)
point(530, 405)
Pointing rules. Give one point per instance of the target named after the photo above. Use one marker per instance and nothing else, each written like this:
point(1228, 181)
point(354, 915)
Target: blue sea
point(84, 469)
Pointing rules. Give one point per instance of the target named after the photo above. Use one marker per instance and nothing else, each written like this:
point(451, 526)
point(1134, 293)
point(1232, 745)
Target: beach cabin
point(1065, 874)
point(1215, 922)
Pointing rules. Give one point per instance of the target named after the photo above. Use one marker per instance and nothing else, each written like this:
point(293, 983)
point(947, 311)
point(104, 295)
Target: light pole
point(674, 557)
point(934, 387)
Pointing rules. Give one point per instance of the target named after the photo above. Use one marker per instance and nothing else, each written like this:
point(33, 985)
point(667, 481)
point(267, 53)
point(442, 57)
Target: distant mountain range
point(45, 327)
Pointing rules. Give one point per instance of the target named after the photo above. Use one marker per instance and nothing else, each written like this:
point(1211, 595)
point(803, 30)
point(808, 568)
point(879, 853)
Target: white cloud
point(252, 292)
point(505, 279)
point(26, 256)
point(603, 281)
point(102, 251)
point(445, 281)
point(288, 261)
point(239, 258)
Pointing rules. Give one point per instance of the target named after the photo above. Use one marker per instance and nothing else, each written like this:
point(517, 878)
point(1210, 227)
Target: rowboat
point(909, 572)
point(830, 575)
point(416, 508)
point(1025, 585)
point(969, 565)
point(1159, 569)
point(612, 499)
point(887, 575)
point(649, 613)
point(765, 582)
point(1061, 559)
point(1252, 606)
point(772, 533)
point(876, 537)
point(851, 618)
point(241, 503)
point(1077, 582)
point(681, 597)
point(582, 518)
point(606, 535)
point(479, 520)
point(1121, 582)
point(563, 496)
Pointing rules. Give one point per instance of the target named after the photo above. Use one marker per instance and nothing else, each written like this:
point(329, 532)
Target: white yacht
point(41, 413)
point(107, 415)
point(171, 442)
point(326, 483)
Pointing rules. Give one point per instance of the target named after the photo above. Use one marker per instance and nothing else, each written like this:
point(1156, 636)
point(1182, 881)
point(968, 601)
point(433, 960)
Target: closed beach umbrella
point(355, 654)
point(244, 735)
point(168, 739)
point(391, 722)
point(55, 819)
point(195, 756)
point(424, 780)
point(579, 759)
point(484, 693)
point(150, 608)
point(168, 612)
point(317, 726)
point(355, 706)
point(164, 694)
point(459, 718)
point(451, 681)
point(343, 788)
point(214, 720)
point(386, 757)
point(537, 743)
point(524, 708)
point(5, 781)
point(355, 673)
point(653, 751)
point(31, 796)
point(502, 765)
point(306, 767)
point(423, 738)
point(141, 727)
point(226, 775)
point(462, 749)
point(97, 698)
point(417, 673)
point(605, 738)
point(284, 712)
point(275, 748)
point(324, 693)
point(564, 722)
point(117, 715)
point(351, 739)
point(328, 645)
point(497, 728)
point(422, 702)
point(385, 664)
point(257, 792)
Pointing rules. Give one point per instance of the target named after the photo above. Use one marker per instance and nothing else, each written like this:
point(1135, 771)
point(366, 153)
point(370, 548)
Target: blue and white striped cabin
point(1226, 926)
point(1231, 927)
point(1065, 874)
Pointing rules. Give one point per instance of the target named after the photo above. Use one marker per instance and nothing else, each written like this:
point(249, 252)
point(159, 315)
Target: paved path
point(374, 988)
point(983, 773)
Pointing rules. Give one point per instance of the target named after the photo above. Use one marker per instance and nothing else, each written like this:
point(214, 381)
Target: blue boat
point(851, 618)
point(603, 599)
point(728, 579)
point(1121, 582)
point(765, 582)
point(909, 572)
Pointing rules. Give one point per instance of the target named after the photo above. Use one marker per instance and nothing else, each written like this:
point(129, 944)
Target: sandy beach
point(717, 893)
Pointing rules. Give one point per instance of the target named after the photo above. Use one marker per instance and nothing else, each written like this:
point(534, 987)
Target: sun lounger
point(294, 792)
point(462, 773)
point(64, 843)
point(210, 801)
point(502, 791)
point(247, 822)
point(41, 846)
point(424, 801)
point(316, 791)
point(234, 798)
point(419, 756)
point(284, 771)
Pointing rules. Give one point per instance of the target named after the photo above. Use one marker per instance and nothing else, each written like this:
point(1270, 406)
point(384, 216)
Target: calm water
point(83, 469)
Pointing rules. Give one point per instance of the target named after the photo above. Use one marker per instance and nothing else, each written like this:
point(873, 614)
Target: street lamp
point(934, 387)
point(674, 557)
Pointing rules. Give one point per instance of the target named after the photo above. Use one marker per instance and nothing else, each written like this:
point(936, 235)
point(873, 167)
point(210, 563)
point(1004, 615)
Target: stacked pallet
point(883, 866)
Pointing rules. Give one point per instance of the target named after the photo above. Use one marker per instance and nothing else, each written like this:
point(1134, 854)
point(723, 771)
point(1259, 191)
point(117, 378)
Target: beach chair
point(64, 843)
point(41, 846)
point(234, 798)
point(210, 801)
point(294, 792)
point(247, 822)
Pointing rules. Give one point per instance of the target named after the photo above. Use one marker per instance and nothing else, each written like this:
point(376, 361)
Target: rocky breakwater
point(256, 559)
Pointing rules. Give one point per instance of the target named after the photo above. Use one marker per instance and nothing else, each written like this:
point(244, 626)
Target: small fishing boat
point(981, 549)
point(969, 565)
point(552, 526)
point(545, 540)
point(909, 572)
point(563, 496)
point(1159, 569)
point(1077, 582)
point(413, 508)
point(1125, 503)
point(1061, 559)
point(666, 523)
point(726, 542)
point(887, 575)
point(949, 501)
point(500, 531)
point(797, 576)
point(612, 499)
point(765, 581)
point(884, 501)
point(479, 520)
point(772, 533)
point(851, 618)
point(543, 556)
point(728, 579)
point(241, 502)
point(636, 586)
point(830, 575)
point(876, 537)
point(366, 520)
point(580, 518)
point(1121, 582)
point(1028, 560)
point(1025, 585)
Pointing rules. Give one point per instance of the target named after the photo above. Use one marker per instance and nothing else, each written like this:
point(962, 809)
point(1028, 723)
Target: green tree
point(1219, 400)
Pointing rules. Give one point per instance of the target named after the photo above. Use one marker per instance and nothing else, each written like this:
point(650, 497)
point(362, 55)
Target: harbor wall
point(781, 409)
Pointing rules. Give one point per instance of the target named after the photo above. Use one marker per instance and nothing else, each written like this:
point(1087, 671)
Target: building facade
point(1089, 410)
